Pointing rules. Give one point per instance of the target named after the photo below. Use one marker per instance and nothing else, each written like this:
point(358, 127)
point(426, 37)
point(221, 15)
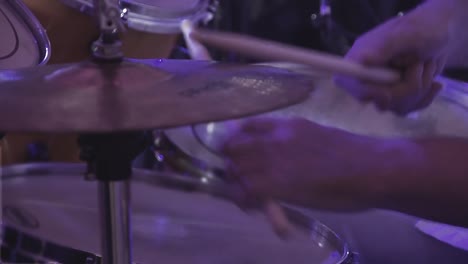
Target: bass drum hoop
point(19, 240)
point(152, 19)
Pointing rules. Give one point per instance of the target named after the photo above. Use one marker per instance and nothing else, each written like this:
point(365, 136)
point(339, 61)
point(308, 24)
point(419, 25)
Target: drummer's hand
point(303, 163)
point(416, 44)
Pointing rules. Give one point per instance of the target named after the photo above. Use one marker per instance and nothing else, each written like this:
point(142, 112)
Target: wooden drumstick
point(274, 51)
point(275, 214)
point(278, 219)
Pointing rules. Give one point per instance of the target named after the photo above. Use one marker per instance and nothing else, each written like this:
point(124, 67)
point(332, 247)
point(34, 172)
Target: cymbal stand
point(109, 156)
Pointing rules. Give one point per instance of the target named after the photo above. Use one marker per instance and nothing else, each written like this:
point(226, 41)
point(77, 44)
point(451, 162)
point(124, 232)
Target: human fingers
point(364, 92)
point(429, 97)
point(440, 64)
point(258, 125)
point(406, 94)
point(430, 70)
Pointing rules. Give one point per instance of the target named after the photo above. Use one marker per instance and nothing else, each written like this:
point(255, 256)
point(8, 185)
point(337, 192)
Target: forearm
point(454, 13)
point(429, 179)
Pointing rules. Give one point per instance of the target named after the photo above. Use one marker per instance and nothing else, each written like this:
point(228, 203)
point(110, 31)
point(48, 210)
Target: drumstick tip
point(278, 219)
point(186, 27)
point(196, 50)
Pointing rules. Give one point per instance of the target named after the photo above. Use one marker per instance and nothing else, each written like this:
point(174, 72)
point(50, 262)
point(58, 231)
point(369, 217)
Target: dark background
point(289, 21)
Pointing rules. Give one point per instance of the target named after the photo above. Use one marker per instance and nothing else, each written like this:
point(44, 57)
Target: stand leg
point(114, 202)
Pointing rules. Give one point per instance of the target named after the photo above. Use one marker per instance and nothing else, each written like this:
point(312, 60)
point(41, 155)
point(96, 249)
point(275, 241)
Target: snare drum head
point(169, 226)
point(24, 43)
point(331, 106)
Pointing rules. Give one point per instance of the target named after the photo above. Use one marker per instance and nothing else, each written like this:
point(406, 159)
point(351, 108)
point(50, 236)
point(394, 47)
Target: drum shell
point(71, 32)
point(172, 222)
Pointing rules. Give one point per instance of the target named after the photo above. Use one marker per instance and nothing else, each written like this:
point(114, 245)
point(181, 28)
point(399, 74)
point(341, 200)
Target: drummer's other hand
point(415, 44)
point(301, 162)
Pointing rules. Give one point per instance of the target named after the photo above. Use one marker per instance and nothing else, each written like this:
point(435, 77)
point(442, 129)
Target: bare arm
point(320, 167)
point(430, 176)
point(427, 178)
point(458, 10)
point(325, 168)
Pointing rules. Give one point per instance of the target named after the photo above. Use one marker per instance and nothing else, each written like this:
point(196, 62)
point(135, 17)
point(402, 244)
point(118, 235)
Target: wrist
point(427, 178)
point(451, 12)
point(420, 171)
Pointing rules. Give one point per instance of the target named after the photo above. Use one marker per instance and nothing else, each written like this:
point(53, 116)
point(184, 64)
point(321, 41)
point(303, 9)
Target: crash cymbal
point(136, 95)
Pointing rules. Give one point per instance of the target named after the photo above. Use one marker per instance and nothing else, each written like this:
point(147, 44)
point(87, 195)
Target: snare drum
point(327, 105)
point(50, 214)
point(194, 151)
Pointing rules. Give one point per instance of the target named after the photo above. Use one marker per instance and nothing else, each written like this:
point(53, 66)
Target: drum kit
point(111, 101)
point(181, 109)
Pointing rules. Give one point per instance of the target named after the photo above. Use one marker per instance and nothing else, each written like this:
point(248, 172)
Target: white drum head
point(54, 203)
point(329, 105)
point(24, 42)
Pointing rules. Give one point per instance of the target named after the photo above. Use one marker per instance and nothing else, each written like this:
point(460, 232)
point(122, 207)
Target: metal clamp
point(111, 20)
point(108, 52)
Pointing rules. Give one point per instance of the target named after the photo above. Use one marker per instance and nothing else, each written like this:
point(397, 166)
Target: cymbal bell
point(138, 95)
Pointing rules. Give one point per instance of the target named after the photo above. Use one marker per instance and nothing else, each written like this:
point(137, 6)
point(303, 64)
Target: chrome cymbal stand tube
point(110, 159)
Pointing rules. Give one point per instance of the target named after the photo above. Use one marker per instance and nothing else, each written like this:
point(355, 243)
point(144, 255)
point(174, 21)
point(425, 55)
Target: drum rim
point(150, 19)
point(163, 179)
point(38, 31)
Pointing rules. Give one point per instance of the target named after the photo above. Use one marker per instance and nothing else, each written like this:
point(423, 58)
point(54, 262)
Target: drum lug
point(211, 11)
point(124, 15)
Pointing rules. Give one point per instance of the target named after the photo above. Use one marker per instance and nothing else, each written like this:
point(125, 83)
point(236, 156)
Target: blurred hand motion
point(301, 162)
point(417, 44)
